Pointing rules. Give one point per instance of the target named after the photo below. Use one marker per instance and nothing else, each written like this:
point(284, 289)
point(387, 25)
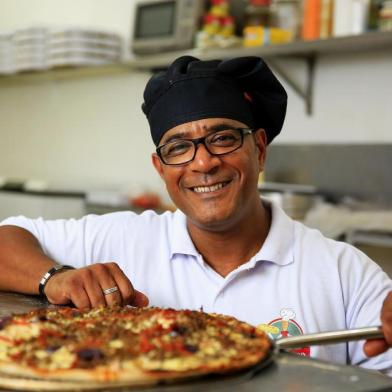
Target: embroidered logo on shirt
point(283, 327)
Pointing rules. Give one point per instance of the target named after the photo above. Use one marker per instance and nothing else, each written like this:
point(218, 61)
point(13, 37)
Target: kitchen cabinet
point(306, 51)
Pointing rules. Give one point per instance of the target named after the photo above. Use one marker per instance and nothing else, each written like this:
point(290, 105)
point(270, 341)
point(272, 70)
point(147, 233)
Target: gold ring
point(110, 290)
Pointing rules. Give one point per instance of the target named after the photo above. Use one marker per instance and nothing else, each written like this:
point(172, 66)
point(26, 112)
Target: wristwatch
point(53, 271)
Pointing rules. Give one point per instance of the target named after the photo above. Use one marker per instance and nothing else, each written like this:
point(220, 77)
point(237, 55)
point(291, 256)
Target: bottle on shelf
point(261, 25)
point(374, 11)
point(288, 16)
point(218, 27)
point(360, 16)
point(311, 19)
point(385, 16)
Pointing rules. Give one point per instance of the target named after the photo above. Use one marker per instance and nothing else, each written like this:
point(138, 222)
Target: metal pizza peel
point(317, 339)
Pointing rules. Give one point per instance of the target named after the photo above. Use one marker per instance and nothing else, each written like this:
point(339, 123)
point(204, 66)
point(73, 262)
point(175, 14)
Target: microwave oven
point(164, 25)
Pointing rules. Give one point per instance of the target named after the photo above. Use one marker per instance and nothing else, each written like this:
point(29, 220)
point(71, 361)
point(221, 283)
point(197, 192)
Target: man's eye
point(224, 138)
point(177, 148)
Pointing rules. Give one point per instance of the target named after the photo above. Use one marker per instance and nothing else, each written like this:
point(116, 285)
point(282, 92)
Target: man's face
point(214, 192)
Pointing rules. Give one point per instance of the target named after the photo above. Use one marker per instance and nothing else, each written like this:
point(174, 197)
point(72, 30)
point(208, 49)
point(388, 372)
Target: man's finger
point(386, 318)
point(139, 299)
point(129, 294)
point(80, 299)
point(375, 347)
point(111, 292)
point(94, 292)
point(123, 283)
point(108, 286)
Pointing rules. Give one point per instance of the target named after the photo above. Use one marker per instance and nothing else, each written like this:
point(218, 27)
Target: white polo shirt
point(299, 281)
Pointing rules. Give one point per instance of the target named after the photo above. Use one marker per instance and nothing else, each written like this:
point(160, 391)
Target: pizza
point(126, 344)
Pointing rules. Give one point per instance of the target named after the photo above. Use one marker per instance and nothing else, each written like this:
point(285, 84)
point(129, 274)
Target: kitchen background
point(74, 140)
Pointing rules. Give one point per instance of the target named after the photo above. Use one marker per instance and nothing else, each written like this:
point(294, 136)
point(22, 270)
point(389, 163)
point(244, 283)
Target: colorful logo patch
point(284, 327)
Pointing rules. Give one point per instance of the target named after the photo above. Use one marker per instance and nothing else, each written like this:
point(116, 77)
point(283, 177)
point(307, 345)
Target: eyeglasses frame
point(201, 140)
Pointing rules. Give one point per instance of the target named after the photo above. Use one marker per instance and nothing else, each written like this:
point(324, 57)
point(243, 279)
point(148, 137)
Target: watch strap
point(53, 271)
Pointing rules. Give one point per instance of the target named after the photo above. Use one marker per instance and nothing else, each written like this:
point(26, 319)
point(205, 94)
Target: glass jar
point(259, 13)
point(288, 16)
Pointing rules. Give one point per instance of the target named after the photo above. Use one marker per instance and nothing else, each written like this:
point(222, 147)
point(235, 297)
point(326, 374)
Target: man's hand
point(378, 346)
point(84, 287)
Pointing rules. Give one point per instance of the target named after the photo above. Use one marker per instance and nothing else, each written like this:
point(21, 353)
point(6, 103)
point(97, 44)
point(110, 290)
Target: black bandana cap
point(242, 89)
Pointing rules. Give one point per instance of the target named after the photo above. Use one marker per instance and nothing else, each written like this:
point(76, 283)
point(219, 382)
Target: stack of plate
point(40, 48)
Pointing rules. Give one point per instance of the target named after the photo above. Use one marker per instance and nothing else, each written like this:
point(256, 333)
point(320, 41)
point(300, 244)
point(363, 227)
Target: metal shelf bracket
point(304, 92)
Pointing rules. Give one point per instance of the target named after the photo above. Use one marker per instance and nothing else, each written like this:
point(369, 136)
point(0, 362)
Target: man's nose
point(204, 161)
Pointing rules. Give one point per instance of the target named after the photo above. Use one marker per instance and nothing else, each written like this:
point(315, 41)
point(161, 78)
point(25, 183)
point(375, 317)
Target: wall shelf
point(306, 51)
point(299, 49)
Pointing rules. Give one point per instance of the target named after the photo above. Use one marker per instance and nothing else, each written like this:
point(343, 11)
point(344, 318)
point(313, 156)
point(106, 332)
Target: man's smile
point(209, 188)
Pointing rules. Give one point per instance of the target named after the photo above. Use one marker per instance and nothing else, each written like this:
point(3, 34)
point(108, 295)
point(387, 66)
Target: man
point(224, 250)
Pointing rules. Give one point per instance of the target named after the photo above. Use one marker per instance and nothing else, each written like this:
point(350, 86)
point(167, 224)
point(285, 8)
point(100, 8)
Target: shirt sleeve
point(76, 242)
point(364, 290)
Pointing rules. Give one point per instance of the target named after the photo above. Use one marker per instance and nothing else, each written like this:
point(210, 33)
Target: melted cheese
point(22, 332)
point(117, 343)
point(41, 354)
point(62, 359)
point(3, 353)
point(166, 323)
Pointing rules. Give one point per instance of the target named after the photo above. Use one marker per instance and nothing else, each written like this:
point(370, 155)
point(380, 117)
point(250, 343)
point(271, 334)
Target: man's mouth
point(211, 188)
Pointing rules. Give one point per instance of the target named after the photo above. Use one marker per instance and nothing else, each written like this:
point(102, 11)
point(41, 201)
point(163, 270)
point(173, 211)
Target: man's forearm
point(22, 261)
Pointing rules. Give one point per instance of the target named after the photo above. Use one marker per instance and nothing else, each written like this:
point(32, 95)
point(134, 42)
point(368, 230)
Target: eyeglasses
point(182, 151)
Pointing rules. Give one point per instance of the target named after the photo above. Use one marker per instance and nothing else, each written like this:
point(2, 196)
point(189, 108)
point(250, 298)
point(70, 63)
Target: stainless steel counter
point(286, 373)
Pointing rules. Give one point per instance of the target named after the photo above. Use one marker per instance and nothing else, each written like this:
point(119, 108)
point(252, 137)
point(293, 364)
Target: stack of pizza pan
point(6, 53)
point(78, 46)
point(39, 48)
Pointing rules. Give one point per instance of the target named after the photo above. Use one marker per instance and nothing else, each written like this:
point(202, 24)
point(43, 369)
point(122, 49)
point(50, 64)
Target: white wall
point(85, 133)
point(113, 15)
point(352, 101)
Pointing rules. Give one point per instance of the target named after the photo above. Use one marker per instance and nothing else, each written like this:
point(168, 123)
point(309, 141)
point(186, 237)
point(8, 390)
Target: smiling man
point(224, 250)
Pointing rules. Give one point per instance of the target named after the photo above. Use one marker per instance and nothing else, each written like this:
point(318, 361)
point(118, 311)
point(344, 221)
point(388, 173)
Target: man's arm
point(376, 347)
point(23, 263)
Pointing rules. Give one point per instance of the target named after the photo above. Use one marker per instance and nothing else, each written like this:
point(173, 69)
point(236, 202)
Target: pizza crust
point(132, 375)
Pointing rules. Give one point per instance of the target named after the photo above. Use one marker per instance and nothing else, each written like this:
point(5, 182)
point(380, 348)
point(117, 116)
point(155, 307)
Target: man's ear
point(261, 145)
point(157, 163)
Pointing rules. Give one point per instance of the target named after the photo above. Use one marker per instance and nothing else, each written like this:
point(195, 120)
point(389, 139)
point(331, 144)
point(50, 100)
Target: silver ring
point(110, 290)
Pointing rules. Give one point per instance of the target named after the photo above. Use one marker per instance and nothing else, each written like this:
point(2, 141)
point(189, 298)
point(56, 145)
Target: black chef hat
point(242, 89)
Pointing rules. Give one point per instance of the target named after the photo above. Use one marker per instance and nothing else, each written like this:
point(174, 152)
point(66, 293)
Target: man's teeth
point(212, 188)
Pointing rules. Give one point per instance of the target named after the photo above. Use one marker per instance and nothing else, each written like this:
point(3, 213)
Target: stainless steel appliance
point(161, 25)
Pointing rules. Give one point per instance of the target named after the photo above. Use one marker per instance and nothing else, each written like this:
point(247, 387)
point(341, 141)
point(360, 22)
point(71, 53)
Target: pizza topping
point(116, 343)
point(62, 359)
point(90, 354)
point(20, 332)
point(4, 321)
point(52, 349)
point(191, 348)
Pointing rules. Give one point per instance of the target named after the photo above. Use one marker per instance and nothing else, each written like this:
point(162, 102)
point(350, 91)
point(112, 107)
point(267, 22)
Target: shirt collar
point(180, 241)
point(278, 247)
